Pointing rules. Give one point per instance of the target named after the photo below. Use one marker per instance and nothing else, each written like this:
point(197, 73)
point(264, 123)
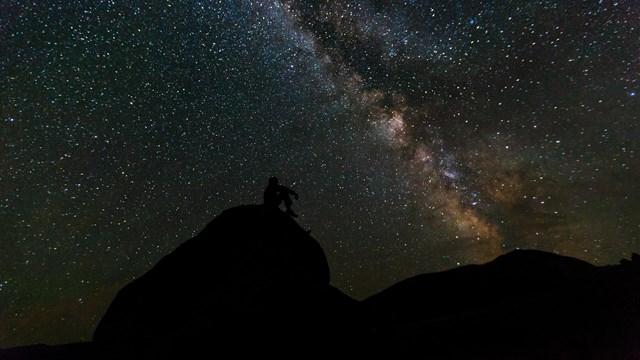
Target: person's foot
point(291, 213)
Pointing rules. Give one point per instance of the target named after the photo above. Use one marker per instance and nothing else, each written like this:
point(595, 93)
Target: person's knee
point(287, 200)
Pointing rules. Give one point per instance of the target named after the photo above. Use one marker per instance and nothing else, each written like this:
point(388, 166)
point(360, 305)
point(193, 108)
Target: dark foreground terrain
point(255, 283)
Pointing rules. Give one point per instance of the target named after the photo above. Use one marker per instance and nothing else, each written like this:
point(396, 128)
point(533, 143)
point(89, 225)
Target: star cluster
point(420, 135)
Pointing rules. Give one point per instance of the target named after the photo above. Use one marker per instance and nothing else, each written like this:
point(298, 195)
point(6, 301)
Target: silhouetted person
point(275, 193)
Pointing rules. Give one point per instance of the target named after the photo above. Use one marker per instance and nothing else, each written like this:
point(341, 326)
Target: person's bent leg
point(287, 200)
point(287, 203)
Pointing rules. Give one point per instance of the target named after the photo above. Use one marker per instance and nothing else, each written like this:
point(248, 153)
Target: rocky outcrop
point(252, 279)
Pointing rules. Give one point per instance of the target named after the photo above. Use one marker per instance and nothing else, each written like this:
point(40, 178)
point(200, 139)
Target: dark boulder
point(252, 280)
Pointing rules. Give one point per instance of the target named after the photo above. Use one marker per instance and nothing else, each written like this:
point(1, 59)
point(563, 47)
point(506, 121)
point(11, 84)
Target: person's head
point(273, 180)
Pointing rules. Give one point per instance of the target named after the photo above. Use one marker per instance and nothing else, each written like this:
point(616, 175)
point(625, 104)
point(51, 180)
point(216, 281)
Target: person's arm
point(291, 192)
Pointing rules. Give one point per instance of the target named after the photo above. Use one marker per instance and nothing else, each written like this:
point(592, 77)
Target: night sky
point(420, 135)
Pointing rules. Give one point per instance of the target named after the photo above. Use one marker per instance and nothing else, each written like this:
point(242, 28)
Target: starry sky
point(421, 135)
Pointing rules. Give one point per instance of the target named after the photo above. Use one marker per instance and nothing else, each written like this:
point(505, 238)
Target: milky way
point(420, 135)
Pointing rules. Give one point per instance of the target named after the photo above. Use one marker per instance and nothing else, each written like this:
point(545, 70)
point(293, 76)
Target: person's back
point(271, 193)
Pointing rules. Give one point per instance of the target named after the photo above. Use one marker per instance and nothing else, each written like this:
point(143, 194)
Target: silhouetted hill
point(254, 283)
point(252, 279)
point(521, 273)
point(523, 305)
